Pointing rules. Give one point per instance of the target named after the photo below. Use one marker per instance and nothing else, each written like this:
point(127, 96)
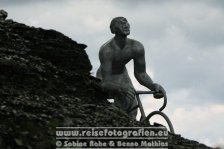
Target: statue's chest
point(122, 56)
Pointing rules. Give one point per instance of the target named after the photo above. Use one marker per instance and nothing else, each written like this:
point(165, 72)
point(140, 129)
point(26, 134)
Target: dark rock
point(3, 15)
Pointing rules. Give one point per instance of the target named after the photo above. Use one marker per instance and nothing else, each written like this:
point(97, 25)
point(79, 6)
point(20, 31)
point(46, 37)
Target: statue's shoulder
point(106, 47)
point(137, 45)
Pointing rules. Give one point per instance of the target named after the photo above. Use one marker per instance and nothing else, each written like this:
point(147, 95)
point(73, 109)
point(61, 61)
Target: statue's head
point(120, 25)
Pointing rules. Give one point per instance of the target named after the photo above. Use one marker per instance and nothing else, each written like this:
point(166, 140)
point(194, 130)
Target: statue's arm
point(140, 68)
point(141, 75)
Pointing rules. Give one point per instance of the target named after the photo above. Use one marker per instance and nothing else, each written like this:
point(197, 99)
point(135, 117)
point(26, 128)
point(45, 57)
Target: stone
point(3, 15)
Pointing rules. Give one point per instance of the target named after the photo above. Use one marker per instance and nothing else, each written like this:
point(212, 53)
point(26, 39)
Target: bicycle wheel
point(164, 116)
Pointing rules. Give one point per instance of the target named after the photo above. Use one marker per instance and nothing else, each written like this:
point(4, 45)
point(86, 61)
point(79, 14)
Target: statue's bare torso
point(119, 57)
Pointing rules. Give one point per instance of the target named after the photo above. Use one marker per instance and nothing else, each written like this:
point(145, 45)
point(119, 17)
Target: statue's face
point(122, 27)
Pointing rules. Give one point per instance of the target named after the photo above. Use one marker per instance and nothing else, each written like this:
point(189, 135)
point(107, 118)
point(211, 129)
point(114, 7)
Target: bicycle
point(145, 118)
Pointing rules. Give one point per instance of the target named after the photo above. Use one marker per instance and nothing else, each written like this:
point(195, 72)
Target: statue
point(114, 55)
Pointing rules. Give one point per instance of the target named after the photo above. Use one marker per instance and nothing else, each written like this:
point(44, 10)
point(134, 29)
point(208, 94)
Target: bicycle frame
point(143, 116)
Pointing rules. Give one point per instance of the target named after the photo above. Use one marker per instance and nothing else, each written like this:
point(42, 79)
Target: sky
point(184, 50)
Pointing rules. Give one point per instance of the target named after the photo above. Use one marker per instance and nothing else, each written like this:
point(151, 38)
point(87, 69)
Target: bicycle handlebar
point(153, 92)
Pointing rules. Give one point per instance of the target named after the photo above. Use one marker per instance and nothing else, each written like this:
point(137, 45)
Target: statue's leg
point(126, 104)
point(121, 102)
point(133, 113)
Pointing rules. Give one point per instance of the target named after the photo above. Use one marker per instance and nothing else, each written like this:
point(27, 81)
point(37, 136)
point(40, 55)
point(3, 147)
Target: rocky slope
point(45, 82)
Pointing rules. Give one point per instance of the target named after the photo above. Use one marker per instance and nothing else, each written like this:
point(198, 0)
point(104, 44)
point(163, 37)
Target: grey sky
point(183, 42)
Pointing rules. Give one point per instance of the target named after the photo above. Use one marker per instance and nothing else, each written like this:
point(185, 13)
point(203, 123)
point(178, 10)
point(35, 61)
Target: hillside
point(45, 83)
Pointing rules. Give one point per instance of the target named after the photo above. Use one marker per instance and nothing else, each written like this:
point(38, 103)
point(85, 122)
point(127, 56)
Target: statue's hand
point(160, 92)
